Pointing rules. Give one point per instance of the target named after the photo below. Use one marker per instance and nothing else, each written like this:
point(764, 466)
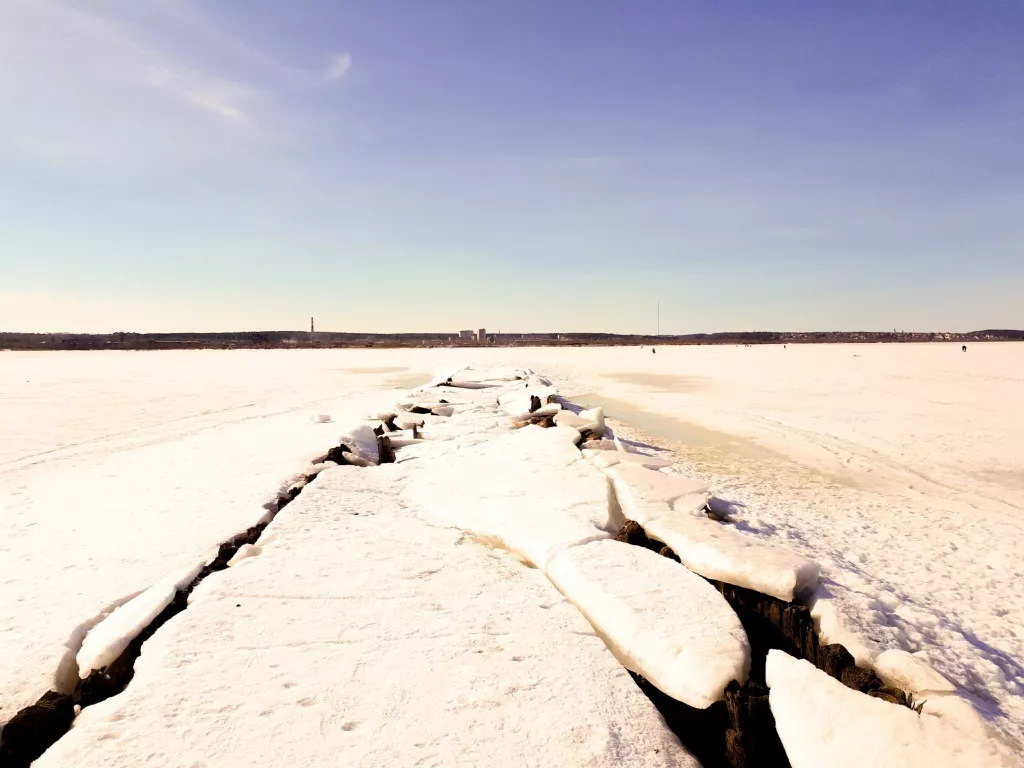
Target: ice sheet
point(407, 645)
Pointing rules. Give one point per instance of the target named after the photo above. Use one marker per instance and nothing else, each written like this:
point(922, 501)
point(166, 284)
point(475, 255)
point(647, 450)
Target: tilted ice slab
point(645, 494)
point(363, 636)
point(592, 420)
point(529, 492)
point(669, 509)
point(823, 723)
point(108, 639)
point(662, 621)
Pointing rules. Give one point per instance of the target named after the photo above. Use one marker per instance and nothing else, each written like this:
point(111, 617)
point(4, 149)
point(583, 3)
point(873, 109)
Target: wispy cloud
point(337, 66)
point(221, 97)
point(132, 88)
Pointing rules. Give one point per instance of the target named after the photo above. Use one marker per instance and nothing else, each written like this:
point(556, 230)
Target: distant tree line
point(292, 339)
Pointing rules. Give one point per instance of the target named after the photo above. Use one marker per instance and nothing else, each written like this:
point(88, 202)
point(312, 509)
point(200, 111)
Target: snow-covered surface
point(117, 468)
point(670, 509)
point(365, 635)
point(662, 621)
point(823, 723)
point(896, 467)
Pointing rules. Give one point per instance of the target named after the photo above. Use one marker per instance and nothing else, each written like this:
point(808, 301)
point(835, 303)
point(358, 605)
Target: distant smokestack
point(311, 331)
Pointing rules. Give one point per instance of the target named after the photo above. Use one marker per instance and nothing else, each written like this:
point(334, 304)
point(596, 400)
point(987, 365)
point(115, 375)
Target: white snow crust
point(823, 723)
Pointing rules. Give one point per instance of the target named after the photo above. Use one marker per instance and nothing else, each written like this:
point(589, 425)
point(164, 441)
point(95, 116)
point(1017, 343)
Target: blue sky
point(511, 164)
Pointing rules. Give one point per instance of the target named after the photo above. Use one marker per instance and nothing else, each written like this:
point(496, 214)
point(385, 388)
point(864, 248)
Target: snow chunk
point(408, 420)
point(362, 442)
point(592, 420)
point(321, 418)
point(823, 723)
point(832, 629)
point(660, 620)
point(244, 553)
point(108, 639)
point(529, 492)
point(596, 418)
point(570, 419)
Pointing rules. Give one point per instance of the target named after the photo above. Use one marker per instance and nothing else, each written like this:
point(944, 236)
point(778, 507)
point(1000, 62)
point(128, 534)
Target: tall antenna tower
point(311, 331)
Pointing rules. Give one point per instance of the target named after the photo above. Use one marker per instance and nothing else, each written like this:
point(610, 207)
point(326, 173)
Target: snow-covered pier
point(481, 576)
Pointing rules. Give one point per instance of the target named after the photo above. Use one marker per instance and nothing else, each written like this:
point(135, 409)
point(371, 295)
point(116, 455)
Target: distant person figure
point(964, 348)
point(653, 350)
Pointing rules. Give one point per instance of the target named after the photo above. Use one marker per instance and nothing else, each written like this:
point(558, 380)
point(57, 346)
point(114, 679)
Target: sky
point(518, 165)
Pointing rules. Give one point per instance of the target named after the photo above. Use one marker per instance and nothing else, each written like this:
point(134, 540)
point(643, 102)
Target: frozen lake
point(899, 467)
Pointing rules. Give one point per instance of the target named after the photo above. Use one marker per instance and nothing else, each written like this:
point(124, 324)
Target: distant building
point(481, 335)
point(465, 334)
